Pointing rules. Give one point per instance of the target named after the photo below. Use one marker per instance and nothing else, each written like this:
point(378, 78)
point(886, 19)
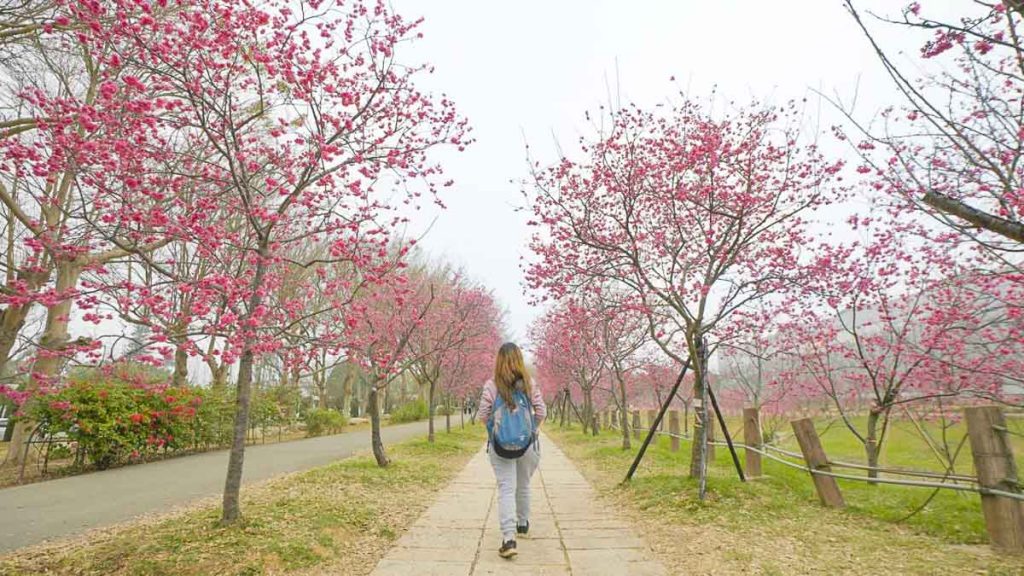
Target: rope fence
point(990, 445)
point(956, 482)
point(766, 451)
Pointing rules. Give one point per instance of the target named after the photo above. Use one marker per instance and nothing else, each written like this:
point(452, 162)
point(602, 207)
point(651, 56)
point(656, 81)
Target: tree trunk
point(11, 323)
point(320, 382)
point(233, 483)
point(285, 382)
point(447, 416)
point(462, 415)
point(359, 395)
point(180, 378)
point(871, 442)
point(700, 413)
point(430, 411)
point(346, 393)
point(13, 317)
point(588, 411)
point(626, 445)
point(564, 409)
point(218, 374)
point(47, 365)
point(375, 440)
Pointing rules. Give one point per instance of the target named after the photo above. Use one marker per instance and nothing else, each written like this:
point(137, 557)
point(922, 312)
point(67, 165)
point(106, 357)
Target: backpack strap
point(533, 416)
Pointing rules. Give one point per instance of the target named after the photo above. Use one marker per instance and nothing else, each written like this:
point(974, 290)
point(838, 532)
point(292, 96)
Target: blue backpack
point(511, 429)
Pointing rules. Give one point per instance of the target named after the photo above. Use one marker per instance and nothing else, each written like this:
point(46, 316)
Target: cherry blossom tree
point(758, 368)
point(698, 216)
point(567, 351)
point(298, 118)
point(895, 324)
point(621, 333)
point(78, 172)
point(462, 315)
point(324, 123)
point(469, 365)
point(26, 270)
point(466, 371)
point(380, 338)
point(942, 167)
point(651, 382)
point(950, 151)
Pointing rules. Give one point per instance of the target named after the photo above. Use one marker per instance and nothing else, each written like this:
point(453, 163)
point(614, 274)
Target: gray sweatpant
point(514, 488)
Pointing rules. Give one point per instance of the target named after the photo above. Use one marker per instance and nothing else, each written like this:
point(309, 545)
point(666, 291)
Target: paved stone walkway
point(570, 532)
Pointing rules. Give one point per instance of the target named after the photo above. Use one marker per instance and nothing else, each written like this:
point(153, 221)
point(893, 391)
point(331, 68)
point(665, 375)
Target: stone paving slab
point(571, 533)
point(389, 567)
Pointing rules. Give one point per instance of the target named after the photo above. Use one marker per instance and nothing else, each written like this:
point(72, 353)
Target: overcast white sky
point(529, 69)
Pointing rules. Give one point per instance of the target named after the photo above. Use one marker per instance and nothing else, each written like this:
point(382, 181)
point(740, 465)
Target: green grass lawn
point(336, 519)
point(774, 525)
point(952, 516)
point(904, 446)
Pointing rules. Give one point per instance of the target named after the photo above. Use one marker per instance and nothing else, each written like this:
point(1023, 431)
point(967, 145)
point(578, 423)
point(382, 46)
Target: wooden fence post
point(636, 424)
point(752, 438)
point(673, 429)
point(595, 426)
point(606, 419)
point(814, 456)
point(996, 469)
point(651, 415)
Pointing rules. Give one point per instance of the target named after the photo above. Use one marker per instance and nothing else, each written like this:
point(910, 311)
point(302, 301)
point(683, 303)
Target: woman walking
point(512, 409)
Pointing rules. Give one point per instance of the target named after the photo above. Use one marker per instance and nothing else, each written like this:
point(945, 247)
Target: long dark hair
point(509, 368)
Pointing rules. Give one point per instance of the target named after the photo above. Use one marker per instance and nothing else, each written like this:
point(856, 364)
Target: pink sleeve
point(540, 410)
point(486, 402)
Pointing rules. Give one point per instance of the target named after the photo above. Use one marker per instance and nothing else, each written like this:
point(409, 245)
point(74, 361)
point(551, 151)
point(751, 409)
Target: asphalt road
point(44, 511)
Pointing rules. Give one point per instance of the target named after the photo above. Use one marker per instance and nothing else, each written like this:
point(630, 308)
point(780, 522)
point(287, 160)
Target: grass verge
point(336, 519)
point(774, 525)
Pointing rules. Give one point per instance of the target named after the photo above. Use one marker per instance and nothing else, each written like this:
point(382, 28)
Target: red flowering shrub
point(116, 421)
point(121, 415)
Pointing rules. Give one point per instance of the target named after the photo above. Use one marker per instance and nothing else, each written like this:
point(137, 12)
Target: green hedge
point(321, 421)
point(410, 412)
